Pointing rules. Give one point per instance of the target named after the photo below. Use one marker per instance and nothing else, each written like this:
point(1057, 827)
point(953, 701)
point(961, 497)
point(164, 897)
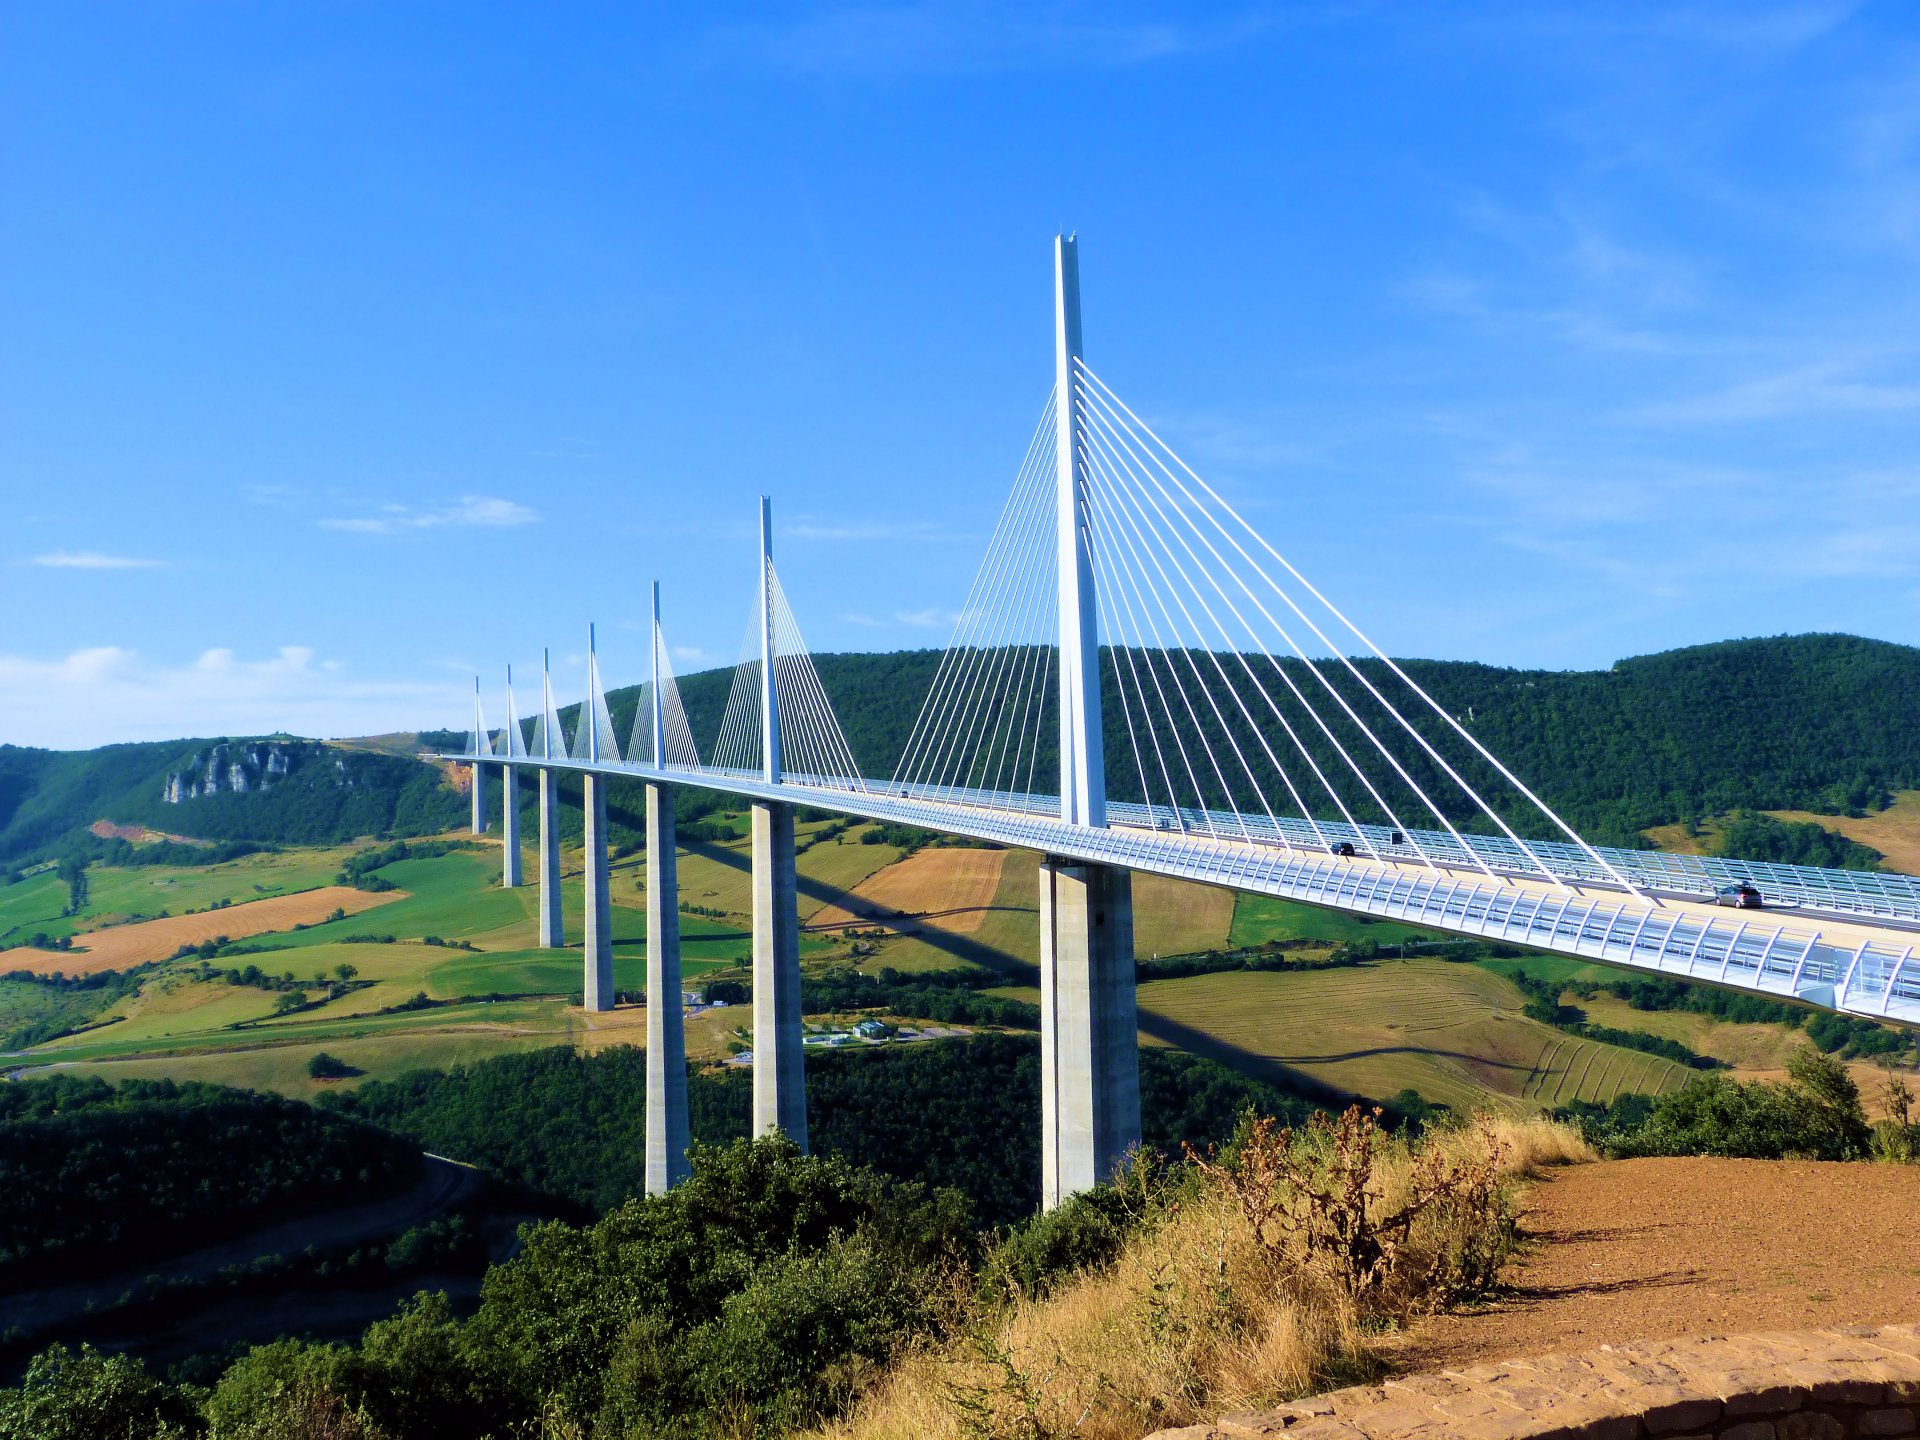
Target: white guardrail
point(1876, 978)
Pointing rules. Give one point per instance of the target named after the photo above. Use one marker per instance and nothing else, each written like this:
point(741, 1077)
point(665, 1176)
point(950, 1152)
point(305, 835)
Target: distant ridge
point(1824, 723)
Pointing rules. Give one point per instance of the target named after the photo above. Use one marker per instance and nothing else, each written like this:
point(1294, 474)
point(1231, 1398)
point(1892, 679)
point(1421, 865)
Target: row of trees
point(963, 1114)
point(91, 1173)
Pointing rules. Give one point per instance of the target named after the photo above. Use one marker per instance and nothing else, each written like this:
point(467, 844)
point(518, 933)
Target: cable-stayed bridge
point(1140, 681)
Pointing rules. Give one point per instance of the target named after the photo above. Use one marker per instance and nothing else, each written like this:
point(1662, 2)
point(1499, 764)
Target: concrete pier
point(510, 875)
point(668, 1133)
point(1089, 1056)
point(779, 1067)
point(598, 931)
point(479, 796)
point(553, 931)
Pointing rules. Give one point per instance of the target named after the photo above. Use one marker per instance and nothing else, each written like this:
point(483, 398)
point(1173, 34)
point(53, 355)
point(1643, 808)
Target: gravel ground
point(1648, 1249)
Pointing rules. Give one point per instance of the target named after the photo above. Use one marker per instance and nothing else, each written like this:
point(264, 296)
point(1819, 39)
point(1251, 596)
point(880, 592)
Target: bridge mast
point(658, 719)
point(769, 695)
point(481, 746)
point(779, 1064)
point(1089, 1062)
point(1083, 786)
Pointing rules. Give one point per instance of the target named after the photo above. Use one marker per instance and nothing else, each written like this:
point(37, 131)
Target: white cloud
point(689, 654)
point(91, 560)
point(487, 511)
point(107, 694)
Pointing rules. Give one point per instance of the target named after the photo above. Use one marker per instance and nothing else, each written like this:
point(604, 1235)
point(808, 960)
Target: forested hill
point(273, 790)
point(1818, 722)
point(1815, 722)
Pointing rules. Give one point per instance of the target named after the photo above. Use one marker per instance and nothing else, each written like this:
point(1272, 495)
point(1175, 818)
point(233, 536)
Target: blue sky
point(348, 348)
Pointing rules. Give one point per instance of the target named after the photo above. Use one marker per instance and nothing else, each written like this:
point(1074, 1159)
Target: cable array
point(593, 725)
point(738, 746)
point(992, 701)
point(549, 734)
point(813, 747)
point(1240, 696)
point(677, 734)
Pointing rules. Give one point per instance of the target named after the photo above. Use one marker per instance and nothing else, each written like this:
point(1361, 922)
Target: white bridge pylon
point(1254, 737)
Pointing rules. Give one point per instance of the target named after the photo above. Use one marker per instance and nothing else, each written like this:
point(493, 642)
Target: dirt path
point(1647, 1249)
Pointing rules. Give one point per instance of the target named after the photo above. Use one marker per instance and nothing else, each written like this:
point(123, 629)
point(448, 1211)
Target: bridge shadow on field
point(1016, 971)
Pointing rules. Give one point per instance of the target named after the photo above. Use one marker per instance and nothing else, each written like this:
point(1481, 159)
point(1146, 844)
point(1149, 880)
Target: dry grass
point(1894, 832)
point(121, 946)
point(1453, 1032)
point(947, 887)
point(1216, 1304)
point(1172, 917)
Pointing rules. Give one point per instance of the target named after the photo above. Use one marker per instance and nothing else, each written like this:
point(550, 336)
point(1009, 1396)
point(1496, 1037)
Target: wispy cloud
point(92, 560)
point(107, 694)
point(1824, 389)
point(487, 511)
point(947, 39)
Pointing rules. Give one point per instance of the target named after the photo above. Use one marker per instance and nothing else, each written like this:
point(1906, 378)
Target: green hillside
point(1798, 722)
point(288, 792)
point(1809, 722)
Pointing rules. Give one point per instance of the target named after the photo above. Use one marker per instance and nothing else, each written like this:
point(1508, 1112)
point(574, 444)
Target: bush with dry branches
point(1265, 1271)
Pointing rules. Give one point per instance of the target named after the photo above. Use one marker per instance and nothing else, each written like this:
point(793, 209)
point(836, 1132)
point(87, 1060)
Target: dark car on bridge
point(1741, 896)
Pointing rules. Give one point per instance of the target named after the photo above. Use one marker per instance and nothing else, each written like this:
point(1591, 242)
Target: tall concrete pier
point(511, 743)
point(779, 1064)
point(668, 1133)
point(479, 797)
point(598, 930)
point(551, 744)
point(510, 875)
point(478, 789)
point(1089, 1061)
point(553, 930)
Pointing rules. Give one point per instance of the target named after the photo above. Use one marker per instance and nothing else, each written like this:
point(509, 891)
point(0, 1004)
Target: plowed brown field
point(947, 888)
point(121, 946)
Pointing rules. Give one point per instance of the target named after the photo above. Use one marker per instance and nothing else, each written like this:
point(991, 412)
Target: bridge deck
point(1862, 964)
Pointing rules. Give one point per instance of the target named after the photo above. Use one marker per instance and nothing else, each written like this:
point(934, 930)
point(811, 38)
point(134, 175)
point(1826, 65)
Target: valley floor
point(1653, 1248)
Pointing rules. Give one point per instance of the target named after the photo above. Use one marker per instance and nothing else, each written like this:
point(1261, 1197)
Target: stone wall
point(1814, 1385)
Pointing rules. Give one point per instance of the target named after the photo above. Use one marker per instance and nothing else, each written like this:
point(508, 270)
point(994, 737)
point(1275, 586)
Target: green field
point(1453, 1032)
point(1260, 918)
point(34, 904)
point(504, 993)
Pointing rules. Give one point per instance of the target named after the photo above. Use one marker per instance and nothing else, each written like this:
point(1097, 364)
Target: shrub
point(292, 1390)
point(1816, 1115)
point(1087, 1231)
point(84, 1395)
point(1896, 1139)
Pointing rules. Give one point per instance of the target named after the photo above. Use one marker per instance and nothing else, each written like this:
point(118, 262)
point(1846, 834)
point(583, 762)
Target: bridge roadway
point(1861, 964)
